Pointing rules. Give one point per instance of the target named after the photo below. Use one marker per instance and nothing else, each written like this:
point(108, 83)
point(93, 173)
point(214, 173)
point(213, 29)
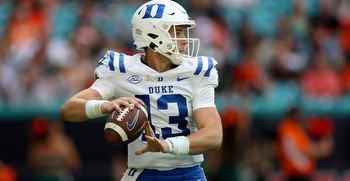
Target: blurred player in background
point(176, 86)
point(298, 152)
point(52, 155)
point(7, 172)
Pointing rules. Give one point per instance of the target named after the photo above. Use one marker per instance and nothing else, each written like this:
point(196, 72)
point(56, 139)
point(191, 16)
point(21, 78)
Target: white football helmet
point(151, 24)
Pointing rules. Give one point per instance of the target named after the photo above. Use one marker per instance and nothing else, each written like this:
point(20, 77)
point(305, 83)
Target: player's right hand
point(130, 102)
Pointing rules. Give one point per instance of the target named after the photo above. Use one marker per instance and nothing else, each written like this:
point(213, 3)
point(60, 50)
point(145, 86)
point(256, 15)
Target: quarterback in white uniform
point(175, 85)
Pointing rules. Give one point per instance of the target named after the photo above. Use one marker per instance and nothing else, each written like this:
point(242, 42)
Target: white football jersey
point(171, 97)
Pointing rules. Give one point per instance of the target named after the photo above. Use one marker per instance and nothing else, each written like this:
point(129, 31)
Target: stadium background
point(49, 49)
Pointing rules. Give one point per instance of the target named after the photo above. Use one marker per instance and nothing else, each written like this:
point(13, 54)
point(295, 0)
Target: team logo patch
point(134, 79)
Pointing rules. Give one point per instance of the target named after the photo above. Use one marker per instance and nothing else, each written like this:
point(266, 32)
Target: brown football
point(124, 127)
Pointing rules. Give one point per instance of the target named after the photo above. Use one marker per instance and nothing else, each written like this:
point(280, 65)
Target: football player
point(175, 85)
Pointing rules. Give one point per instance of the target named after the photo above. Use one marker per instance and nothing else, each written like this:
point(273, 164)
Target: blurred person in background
point(22, 44)
point(51, 154)
point(325, 33)
point(320, 69)
point(344, 25)
point(297, 151)
point(26, 33)
point(7, 172)
point(248, 76)
point(226, 164)
point(345, 75)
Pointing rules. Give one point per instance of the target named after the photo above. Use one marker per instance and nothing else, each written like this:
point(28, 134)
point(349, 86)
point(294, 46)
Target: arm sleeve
point(103, 74)
point(102, 86)
point(205, 98)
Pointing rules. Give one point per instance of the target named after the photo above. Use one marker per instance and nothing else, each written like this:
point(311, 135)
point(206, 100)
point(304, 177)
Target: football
point(124, 127)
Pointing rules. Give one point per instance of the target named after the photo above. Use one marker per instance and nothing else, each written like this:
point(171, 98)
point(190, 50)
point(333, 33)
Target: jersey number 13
point(162, 104)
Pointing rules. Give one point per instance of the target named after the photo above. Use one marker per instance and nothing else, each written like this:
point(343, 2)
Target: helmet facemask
point(179, 45)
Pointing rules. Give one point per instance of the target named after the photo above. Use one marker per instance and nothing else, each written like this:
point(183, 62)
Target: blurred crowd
point(49, 49)
point(272, 55)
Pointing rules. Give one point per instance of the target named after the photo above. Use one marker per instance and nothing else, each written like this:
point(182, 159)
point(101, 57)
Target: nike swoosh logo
point(133, 123)
point(181, 78)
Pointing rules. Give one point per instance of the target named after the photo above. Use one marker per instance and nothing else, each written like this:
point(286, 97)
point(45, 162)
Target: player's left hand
point(153, 143)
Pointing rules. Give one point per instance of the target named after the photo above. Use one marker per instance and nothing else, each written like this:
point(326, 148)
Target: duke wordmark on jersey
point(161, 89)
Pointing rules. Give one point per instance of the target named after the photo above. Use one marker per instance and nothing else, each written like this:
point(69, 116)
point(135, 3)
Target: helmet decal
point(159, 12)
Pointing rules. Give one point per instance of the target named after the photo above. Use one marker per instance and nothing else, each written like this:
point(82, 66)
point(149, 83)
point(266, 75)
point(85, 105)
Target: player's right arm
point(89, 102)
point(321, 148)
point(75, 108)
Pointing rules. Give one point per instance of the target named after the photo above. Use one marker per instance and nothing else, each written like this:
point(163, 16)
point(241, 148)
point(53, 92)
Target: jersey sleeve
point(110, 64)
point(205, 90)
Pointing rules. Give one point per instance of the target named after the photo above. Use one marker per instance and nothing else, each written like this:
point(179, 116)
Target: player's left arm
point(209, 135)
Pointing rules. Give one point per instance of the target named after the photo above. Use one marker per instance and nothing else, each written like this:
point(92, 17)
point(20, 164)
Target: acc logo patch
point(134, 79)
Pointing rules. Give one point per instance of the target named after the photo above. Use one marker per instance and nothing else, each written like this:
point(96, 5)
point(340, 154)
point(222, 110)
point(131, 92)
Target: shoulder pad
point(205, 65)
point(114, 61)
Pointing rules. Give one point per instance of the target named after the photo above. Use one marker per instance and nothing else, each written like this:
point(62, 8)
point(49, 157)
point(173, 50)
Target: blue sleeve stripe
point(121, 63)
point(101, 61)
point(199, 66)
point(111, 61)
point(210, 66)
